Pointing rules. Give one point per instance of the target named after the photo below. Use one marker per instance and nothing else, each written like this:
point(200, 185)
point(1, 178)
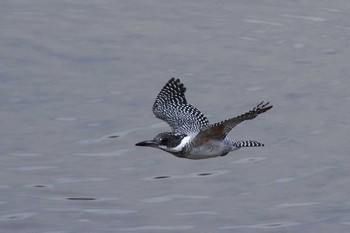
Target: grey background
point(74, 73)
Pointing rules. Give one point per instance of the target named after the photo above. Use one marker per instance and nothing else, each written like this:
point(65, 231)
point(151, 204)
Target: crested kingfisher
point(192, 136)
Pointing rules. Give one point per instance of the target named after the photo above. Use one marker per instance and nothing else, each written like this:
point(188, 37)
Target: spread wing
point(219, 131)
point(171, 106)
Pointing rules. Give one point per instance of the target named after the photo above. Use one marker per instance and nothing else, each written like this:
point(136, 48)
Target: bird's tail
point(248, 144)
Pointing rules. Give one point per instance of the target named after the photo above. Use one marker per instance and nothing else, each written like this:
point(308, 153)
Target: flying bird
point(192, 136)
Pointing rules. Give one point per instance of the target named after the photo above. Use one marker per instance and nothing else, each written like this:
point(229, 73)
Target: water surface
point(78, 80)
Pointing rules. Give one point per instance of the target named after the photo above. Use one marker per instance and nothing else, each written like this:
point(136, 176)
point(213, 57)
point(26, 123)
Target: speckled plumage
point(171, 106)
point(192, 136)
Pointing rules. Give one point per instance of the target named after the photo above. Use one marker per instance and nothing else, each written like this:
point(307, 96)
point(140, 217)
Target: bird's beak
point(150, 143)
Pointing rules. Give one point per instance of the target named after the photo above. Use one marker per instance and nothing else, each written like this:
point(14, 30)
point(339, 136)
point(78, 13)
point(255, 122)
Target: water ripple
point(172, 197)
point(248, 160)
point(262, 22)
point(290, 205)
point(70, 180)
point(299, 176)
point(262, 226)
point(94, 211)
point(304, 17)
point(105, 154)
point(156, 228)
point(191, 175)
point(31, 168)
point(110, 211)
point(27, 154)
point(66, 119)
point(83, 199)
point(17, 216)
point(121, 133)
point(197, 213)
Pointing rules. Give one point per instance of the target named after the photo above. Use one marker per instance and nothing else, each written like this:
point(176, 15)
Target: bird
point(192, 136)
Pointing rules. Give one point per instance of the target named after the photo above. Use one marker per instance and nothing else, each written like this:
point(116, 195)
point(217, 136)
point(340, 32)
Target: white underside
point(213, 148)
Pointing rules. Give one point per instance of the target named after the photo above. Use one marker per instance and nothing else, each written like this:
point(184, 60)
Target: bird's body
point(192, 136)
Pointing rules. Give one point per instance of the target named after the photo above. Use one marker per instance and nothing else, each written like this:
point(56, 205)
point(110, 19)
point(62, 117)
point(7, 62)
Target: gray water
point(74, 73)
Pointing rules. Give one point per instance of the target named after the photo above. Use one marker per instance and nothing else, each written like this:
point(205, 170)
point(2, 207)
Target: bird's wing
point(219, 131)
point(171, 106)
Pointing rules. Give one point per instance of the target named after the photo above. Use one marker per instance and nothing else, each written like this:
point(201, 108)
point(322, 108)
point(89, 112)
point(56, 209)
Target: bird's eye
point(164, 141)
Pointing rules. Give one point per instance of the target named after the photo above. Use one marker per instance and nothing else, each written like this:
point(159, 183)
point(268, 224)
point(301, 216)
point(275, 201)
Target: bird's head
point(167, 141)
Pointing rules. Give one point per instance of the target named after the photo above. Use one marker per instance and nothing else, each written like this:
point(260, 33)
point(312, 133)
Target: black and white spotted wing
point(171, 106)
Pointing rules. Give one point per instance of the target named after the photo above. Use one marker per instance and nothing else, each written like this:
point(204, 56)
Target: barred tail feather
point(248, 144)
